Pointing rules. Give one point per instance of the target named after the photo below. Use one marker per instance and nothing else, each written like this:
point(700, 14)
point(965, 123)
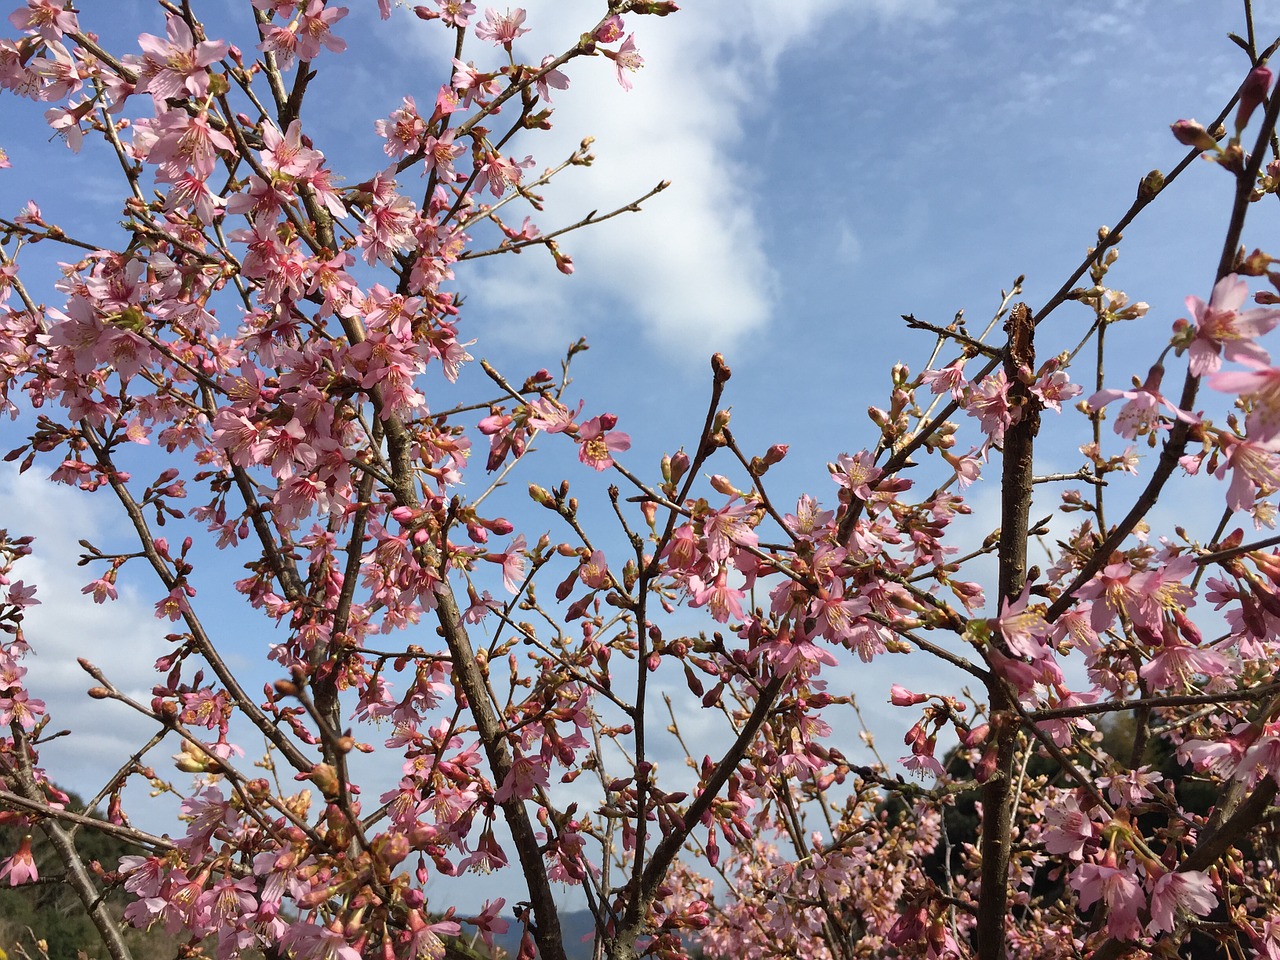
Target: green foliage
point(46, 918)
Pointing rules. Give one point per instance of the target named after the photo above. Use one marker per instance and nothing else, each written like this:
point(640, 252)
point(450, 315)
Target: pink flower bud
point(1191, 134)
point(721, 484)
point(1252, 93)
point(900, 696)
point(679, 465)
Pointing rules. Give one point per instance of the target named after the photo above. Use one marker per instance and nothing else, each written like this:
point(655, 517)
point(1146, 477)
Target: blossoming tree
point(281, 347)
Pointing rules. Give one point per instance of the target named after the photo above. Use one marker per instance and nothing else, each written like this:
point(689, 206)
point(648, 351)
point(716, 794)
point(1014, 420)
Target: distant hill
point(575, 925)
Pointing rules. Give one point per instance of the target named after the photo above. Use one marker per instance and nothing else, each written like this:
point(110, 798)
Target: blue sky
point(833, 165)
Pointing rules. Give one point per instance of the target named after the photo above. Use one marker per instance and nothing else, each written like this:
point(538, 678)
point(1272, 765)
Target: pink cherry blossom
point(1117, 886)
point(21, 867)
point(176, 66)
point(1222, 330)
point(598, 444)
point(455, 13)
point(626, 59)
point(950, 379)
point(501, 28)
point(1188, 890)
point(1260, 387)
point(1140, 416)
point(48, 18)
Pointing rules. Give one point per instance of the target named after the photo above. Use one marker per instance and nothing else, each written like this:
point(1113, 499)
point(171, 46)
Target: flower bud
point(1191, 134)
point(900, 696)
point(722, 484)
point(650, 510)
point(1150, 185)
point(679, 465)
point(1252, 92)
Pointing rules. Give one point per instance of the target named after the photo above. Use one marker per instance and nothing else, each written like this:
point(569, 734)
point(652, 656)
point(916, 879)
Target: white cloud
point(122, 638)
point(695, 268)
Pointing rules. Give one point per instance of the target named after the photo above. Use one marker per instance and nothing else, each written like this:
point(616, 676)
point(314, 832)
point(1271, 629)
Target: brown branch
point(1016, 485)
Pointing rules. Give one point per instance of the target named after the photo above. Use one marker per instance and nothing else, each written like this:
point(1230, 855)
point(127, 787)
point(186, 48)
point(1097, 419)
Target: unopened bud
point(900, 696)
point(1151, 184)
point(500, 525)
point(721, 484)
point(325, 778)
point(650, 510)
point(1252, 92)
point(719, 369)
point(1191, 134)
point(679, 465)
point(285, 688)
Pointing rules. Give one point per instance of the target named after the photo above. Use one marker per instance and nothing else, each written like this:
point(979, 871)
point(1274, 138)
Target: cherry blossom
point(1222, 330)
point(598, 442)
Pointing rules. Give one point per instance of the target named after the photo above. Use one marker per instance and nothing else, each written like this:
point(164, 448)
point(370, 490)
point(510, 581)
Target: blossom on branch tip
point(175, 66)
point(501, 28)
point(50, 19)
point(455, 13)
